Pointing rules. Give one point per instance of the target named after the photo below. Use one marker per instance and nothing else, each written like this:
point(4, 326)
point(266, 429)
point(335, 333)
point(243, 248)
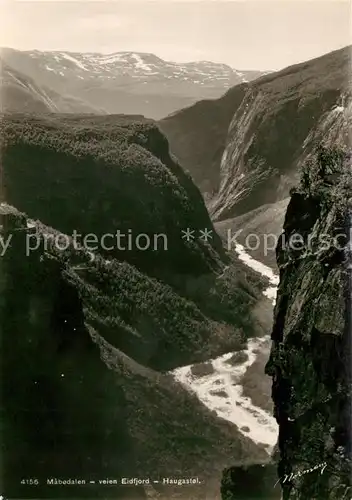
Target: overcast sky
point(247, 34)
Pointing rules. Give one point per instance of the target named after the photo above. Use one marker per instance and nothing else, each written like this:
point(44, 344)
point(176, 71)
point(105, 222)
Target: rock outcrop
point(277, 125)
point(310, 357)
point(245, 149)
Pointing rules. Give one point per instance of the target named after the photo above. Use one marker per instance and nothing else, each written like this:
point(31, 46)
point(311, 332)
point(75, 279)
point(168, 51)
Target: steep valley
point(94, 339)
point(283, 131)
point(311, 337)
point(245, 150)
point(134, 328)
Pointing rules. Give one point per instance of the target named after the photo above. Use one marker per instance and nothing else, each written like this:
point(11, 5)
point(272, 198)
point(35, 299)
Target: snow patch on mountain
point(140, 63)
point(74, 60)
point(135, 64)
point(110, 59)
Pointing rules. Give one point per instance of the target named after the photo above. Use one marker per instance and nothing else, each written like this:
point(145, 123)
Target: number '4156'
point(30, 481)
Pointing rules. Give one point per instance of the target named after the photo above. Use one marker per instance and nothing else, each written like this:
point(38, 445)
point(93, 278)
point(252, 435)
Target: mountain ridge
point(21, 94)
point(132, 61)
point(279, 122)
point(126, 82)
point(202, 135)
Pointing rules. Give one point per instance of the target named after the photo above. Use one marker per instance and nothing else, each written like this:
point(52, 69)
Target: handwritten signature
point(293, 475)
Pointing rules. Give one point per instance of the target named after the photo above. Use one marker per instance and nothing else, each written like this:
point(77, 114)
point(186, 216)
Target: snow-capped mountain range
point(120, 65)
point(159, 87)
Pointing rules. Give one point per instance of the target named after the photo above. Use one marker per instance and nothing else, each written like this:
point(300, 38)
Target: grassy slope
point(22, 94)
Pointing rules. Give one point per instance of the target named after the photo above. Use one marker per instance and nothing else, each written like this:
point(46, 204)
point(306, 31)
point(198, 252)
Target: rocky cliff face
point(278, 123)
point(245, 149)
point(310, 357)
point(274, 131)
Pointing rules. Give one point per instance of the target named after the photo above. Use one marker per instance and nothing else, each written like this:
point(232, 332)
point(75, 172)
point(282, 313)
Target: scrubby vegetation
point(100, 174)
point(117, 412)
point(160, 325)
point(148, 312)
point(99, 177)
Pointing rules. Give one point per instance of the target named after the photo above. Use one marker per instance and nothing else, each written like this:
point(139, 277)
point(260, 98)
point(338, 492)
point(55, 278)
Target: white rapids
point(221, 391)
point(262, 269)
point(219, 386)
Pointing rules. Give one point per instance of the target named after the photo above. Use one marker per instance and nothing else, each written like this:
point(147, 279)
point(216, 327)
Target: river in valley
point(217, 382)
